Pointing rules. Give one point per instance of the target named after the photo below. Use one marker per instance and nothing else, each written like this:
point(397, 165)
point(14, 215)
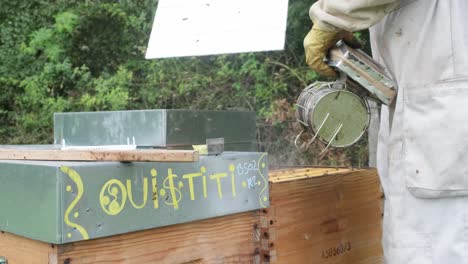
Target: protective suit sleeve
point(349, 15)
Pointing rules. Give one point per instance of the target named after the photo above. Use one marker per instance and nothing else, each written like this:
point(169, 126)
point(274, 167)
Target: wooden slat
point(224, 240)
point(333, 219)
point(20, 250)
point(99, 155)
point(293, 174)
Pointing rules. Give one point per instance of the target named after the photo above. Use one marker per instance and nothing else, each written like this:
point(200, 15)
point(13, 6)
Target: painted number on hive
point(336, 251)
point(246, 167)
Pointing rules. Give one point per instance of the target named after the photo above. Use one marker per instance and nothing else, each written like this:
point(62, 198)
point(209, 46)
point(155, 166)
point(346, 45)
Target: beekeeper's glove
point(318, 42)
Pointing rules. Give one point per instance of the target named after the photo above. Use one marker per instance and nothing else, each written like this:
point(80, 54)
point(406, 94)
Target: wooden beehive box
point(317, 215)
point(325, 216)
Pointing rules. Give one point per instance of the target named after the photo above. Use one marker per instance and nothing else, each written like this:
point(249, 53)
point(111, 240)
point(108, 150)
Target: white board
point(205, 27)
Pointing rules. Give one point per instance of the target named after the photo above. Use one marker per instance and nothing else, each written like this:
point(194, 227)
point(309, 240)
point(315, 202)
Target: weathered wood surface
point(228, 239)
point(325, 219)
point(99, 155)
point(20, 250)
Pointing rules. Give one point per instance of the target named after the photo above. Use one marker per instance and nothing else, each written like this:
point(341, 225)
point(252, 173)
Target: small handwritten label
point(246, 167)
point(336, 251)
point(251, 182)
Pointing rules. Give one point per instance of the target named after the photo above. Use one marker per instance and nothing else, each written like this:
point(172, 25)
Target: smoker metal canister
point(336, 117)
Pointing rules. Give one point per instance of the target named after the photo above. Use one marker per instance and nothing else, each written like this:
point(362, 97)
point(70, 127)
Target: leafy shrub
point(89, 56)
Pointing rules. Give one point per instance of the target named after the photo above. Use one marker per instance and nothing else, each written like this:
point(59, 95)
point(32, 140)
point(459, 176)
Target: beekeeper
point(423, 139)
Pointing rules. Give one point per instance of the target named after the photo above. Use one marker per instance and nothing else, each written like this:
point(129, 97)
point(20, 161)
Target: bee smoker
point(337, 113)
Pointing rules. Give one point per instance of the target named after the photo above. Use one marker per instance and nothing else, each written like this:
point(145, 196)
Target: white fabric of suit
point(423, 148)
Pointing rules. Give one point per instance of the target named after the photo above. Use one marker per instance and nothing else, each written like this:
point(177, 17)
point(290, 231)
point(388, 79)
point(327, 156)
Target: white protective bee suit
point(423, 141)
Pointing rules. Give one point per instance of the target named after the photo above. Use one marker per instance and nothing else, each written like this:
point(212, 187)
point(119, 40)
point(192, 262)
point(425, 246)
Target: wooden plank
point(99, 155)
point(20, 250)
point(334, 218)
point(294, 174)
point(223, 240)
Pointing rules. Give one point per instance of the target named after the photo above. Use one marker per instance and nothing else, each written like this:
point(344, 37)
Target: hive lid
point(162, 128)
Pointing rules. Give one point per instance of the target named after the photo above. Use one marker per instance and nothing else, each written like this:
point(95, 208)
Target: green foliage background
point(68, 55)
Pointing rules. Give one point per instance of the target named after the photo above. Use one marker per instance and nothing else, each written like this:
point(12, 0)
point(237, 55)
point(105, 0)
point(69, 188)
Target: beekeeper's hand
point(318, 42)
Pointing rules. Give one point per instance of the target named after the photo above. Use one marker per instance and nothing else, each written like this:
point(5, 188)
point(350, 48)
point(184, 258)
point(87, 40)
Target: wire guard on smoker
point(330, 113)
